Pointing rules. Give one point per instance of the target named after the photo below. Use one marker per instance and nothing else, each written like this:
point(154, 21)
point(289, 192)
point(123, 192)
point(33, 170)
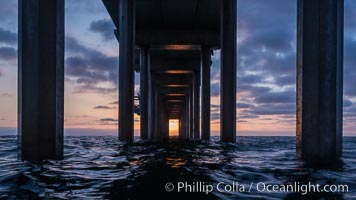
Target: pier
point(170, 44)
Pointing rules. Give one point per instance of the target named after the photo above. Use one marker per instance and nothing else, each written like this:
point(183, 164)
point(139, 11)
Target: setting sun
point(173, 127)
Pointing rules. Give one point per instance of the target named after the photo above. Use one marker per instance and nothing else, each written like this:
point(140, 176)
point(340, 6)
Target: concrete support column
point(41, 79)
point(205, 92)
point(191, 112)
point(320, 79)
point(126, 70)
point(166, 125)
point(181, 125)
point(196, 97)
point(228, 70)
point(157, 114)
point(160, 117)
point(187, 118)
point(144, 70)
point(152, 108)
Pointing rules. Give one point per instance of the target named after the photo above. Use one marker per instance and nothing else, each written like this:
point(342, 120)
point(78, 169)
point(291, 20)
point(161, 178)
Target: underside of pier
point(175, 39)
point(170, 44)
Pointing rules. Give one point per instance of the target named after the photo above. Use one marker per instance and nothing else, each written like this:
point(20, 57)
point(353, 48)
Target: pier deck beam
point(126, 70)
point(228, 70)
point(320, 79)
point(41, 80)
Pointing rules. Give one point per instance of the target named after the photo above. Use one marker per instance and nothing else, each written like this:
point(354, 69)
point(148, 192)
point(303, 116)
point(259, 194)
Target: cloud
point(103, 107)
point(242, 121)
point(267, 58)
point(104, 27)
point(274, 109)
point(8, 11)
point(80, 68)
point(85, 6)
point(244, 105)
point(252, 90)
point(7, 37)
point(347, 103)
point(215, 89)
point(82, 116)
point(247, 116)
point(349, 64)
point(277, 97)
point(272, 39)
point(215, 116)
point(283, 80)
point(108, 120)
point(266, 74)
point(350, 12)
point(90, 67)
point(114, 103)
point(8, 53)
point(94, 89)
point(5, 94)
point(350, 111)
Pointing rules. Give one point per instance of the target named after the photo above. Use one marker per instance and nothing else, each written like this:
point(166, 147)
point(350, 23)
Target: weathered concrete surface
point(41, 79)
point(319, 79)
point(228, 70)
point(175, 21)
point(126, 70)
point(196, 97)
point(144, 70)
point(205, 92)
point(182, 27)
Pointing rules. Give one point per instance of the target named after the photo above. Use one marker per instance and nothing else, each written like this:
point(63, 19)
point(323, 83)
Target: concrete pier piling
point(126, 69)
point(228, 61)
point(176, 39)
point(144, 77)
point(196, 99)
point(205, 92)
point(320, 79)
point(41, 79)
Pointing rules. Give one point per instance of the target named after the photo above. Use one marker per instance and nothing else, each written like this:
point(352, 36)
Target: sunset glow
point(266, 101)
point(173, 127)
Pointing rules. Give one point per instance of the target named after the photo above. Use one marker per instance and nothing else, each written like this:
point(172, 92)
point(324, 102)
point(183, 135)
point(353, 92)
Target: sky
point(266, 74)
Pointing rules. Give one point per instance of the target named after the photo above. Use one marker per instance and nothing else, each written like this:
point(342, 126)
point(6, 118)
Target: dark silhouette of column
point(320, 79)
point(41, 79)
point(205, 92)
point(126, 70)
point(156, 113)
point(191, 110)
point(150, 103)
point(144, 70)
point(160, 117)
point(187, 118)
point(166, 125)
point(196, 97)
point(228, 70)
point(152, 108)
point(182, 128)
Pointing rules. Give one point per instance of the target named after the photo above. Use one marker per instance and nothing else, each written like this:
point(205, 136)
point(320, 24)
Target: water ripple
point(102, 168)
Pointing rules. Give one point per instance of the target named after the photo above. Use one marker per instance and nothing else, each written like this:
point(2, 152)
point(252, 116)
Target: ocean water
point(102, 168)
